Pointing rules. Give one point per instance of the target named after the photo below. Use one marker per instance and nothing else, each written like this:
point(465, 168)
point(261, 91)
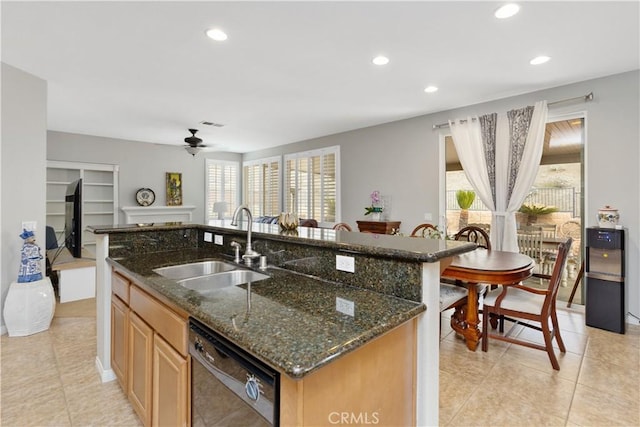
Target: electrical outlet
point(218, 239)
point(345, 263)
point(428, 216)
point(345, 306)
point(208, 237)
point(29, 225)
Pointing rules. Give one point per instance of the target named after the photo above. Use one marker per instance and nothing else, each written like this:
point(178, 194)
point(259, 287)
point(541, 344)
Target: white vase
point(375, 216)
point(29, 307)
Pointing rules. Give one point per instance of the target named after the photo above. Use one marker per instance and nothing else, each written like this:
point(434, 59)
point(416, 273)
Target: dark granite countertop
point(289, 321)
point(381, 245)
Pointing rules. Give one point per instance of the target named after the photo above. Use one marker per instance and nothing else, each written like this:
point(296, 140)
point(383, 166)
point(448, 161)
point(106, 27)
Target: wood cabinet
point(149, 354)
point(140, 365)
point(120, 328)
point(374, 384)
point(170, 390)
point(119, 339)
point(378, 227)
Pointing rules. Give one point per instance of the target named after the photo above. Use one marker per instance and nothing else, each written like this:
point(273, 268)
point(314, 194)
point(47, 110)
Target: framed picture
point(174, 189)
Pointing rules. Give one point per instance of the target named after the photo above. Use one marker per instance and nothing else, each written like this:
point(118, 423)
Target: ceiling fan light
point(193, 150)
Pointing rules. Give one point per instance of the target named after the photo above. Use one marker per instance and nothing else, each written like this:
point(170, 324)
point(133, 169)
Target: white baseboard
point(105, 375)
point(632, 320)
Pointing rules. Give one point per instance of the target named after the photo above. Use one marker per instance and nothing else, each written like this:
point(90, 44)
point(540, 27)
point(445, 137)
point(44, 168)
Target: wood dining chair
point(475, 234)
point(485, 226)
point(454, 294)
point(423, 230)
point(527, 303)
point(342, 226)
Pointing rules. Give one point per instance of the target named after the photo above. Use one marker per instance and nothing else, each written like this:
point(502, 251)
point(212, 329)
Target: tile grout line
point(575, 384)
point(62, 385)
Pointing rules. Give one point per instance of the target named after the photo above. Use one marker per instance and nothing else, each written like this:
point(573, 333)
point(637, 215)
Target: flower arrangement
point(375, 204)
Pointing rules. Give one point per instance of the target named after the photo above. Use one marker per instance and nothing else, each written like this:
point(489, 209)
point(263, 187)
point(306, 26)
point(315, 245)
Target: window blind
point(221, 186)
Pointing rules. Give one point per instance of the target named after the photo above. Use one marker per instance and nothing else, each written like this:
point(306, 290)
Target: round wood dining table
point(487, 267)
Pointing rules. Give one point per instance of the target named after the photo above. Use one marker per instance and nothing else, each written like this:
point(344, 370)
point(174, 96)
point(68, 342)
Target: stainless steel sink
point(194, 269)
point(222, 280)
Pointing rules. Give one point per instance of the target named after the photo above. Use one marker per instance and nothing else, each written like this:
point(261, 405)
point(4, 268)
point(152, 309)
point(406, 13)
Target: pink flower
point(375, 197)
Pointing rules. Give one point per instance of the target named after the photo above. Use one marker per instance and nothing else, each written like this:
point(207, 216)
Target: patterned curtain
point(511, 152)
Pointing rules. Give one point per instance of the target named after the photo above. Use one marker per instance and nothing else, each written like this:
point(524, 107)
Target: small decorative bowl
point(288, 221)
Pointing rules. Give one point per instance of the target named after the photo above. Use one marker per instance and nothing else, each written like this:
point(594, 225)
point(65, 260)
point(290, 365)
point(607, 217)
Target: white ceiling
point(291, 71)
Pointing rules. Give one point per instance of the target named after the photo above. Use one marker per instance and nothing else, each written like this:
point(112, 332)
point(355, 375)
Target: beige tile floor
point(510, 385)
point(49, 379)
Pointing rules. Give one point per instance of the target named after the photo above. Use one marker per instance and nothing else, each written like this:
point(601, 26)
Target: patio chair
point(530, 243)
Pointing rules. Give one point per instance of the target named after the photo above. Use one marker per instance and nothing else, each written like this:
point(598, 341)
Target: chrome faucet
point(249, 253)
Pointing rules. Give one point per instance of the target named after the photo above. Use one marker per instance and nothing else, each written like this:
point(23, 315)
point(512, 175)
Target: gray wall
point(141, 165)
point(403, 159)
point(22, 168)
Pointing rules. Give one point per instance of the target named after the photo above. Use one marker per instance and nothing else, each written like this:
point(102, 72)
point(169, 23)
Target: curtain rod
point(585, 98)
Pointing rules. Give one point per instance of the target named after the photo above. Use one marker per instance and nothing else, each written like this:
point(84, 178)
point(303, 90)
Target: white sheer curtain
point(467, 138)
point(500, 155)
point(525, 173)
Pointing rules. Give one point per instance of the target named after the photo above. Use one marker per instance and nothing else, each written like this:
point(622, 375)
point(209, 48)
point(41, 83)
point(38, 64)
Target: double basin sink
point(207, 276)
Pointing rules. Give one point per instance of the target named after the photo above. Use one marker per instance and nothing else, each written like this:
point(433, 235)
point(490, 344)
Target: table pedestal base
point(465, 319)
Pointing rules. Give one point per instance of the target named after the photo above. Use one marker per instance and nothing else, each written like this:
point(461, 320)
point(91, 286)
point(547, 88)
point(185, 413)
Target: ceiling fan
point(194, 144)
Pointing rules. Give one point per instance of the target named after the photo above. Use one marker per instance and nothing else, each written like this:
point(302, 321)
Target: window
point(221, 186)
point(261, 186)
point(312, 184)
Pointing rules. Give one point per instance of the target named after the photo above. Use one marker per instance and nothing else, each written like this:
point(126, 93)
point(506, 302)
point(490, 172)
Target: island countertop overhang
point(289, 320)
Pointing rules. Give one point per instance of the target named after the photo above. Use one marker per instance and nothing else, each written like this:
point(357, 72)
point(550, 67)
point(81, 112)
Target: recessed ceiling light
point(216, 34)
point(380, 60)
point(539, 60)
point(507, 11)
point(431, 89)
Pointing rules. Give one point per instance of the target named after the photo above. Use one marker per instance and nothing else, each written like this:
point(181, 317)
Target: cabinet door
point(119, 341)
point(140, 365)
point(170, 385)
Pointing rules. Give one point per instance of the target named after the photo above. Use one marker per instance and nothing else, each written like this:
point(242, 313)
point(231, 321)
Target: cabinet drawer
point(120, 287)
point(165, 322)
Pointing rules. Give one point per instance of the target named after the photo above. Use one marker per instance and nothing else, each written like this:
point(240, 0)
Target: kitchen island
point(293, 324)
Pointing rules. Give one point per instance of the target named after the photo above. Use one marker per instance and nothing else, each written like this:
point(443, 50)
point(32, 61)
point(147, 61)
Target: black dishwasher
point(229, 387)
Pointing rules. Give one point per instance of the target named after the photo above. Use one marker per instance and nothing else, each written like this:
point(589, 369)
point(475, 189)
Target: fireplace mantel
point(146, 214)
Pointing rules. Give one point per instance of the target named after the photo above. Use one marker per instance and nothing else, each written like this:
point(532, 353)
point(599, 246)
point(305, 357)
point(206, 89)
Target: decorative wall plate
point(145, 196)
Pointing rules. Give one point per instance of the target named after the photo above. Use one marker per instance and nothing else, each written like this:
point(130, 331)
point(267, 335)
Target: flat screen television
point(73, 218)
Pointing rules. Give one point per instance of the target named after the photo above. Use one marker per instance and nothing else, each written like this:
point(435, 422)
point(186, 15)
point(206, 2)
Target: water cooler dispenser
point(605, 269)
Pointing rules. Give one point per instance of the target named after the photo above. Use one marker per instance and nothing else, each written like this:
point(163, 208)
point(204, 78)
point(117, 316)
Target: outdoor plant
point(532, 210)
point(465, 199)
